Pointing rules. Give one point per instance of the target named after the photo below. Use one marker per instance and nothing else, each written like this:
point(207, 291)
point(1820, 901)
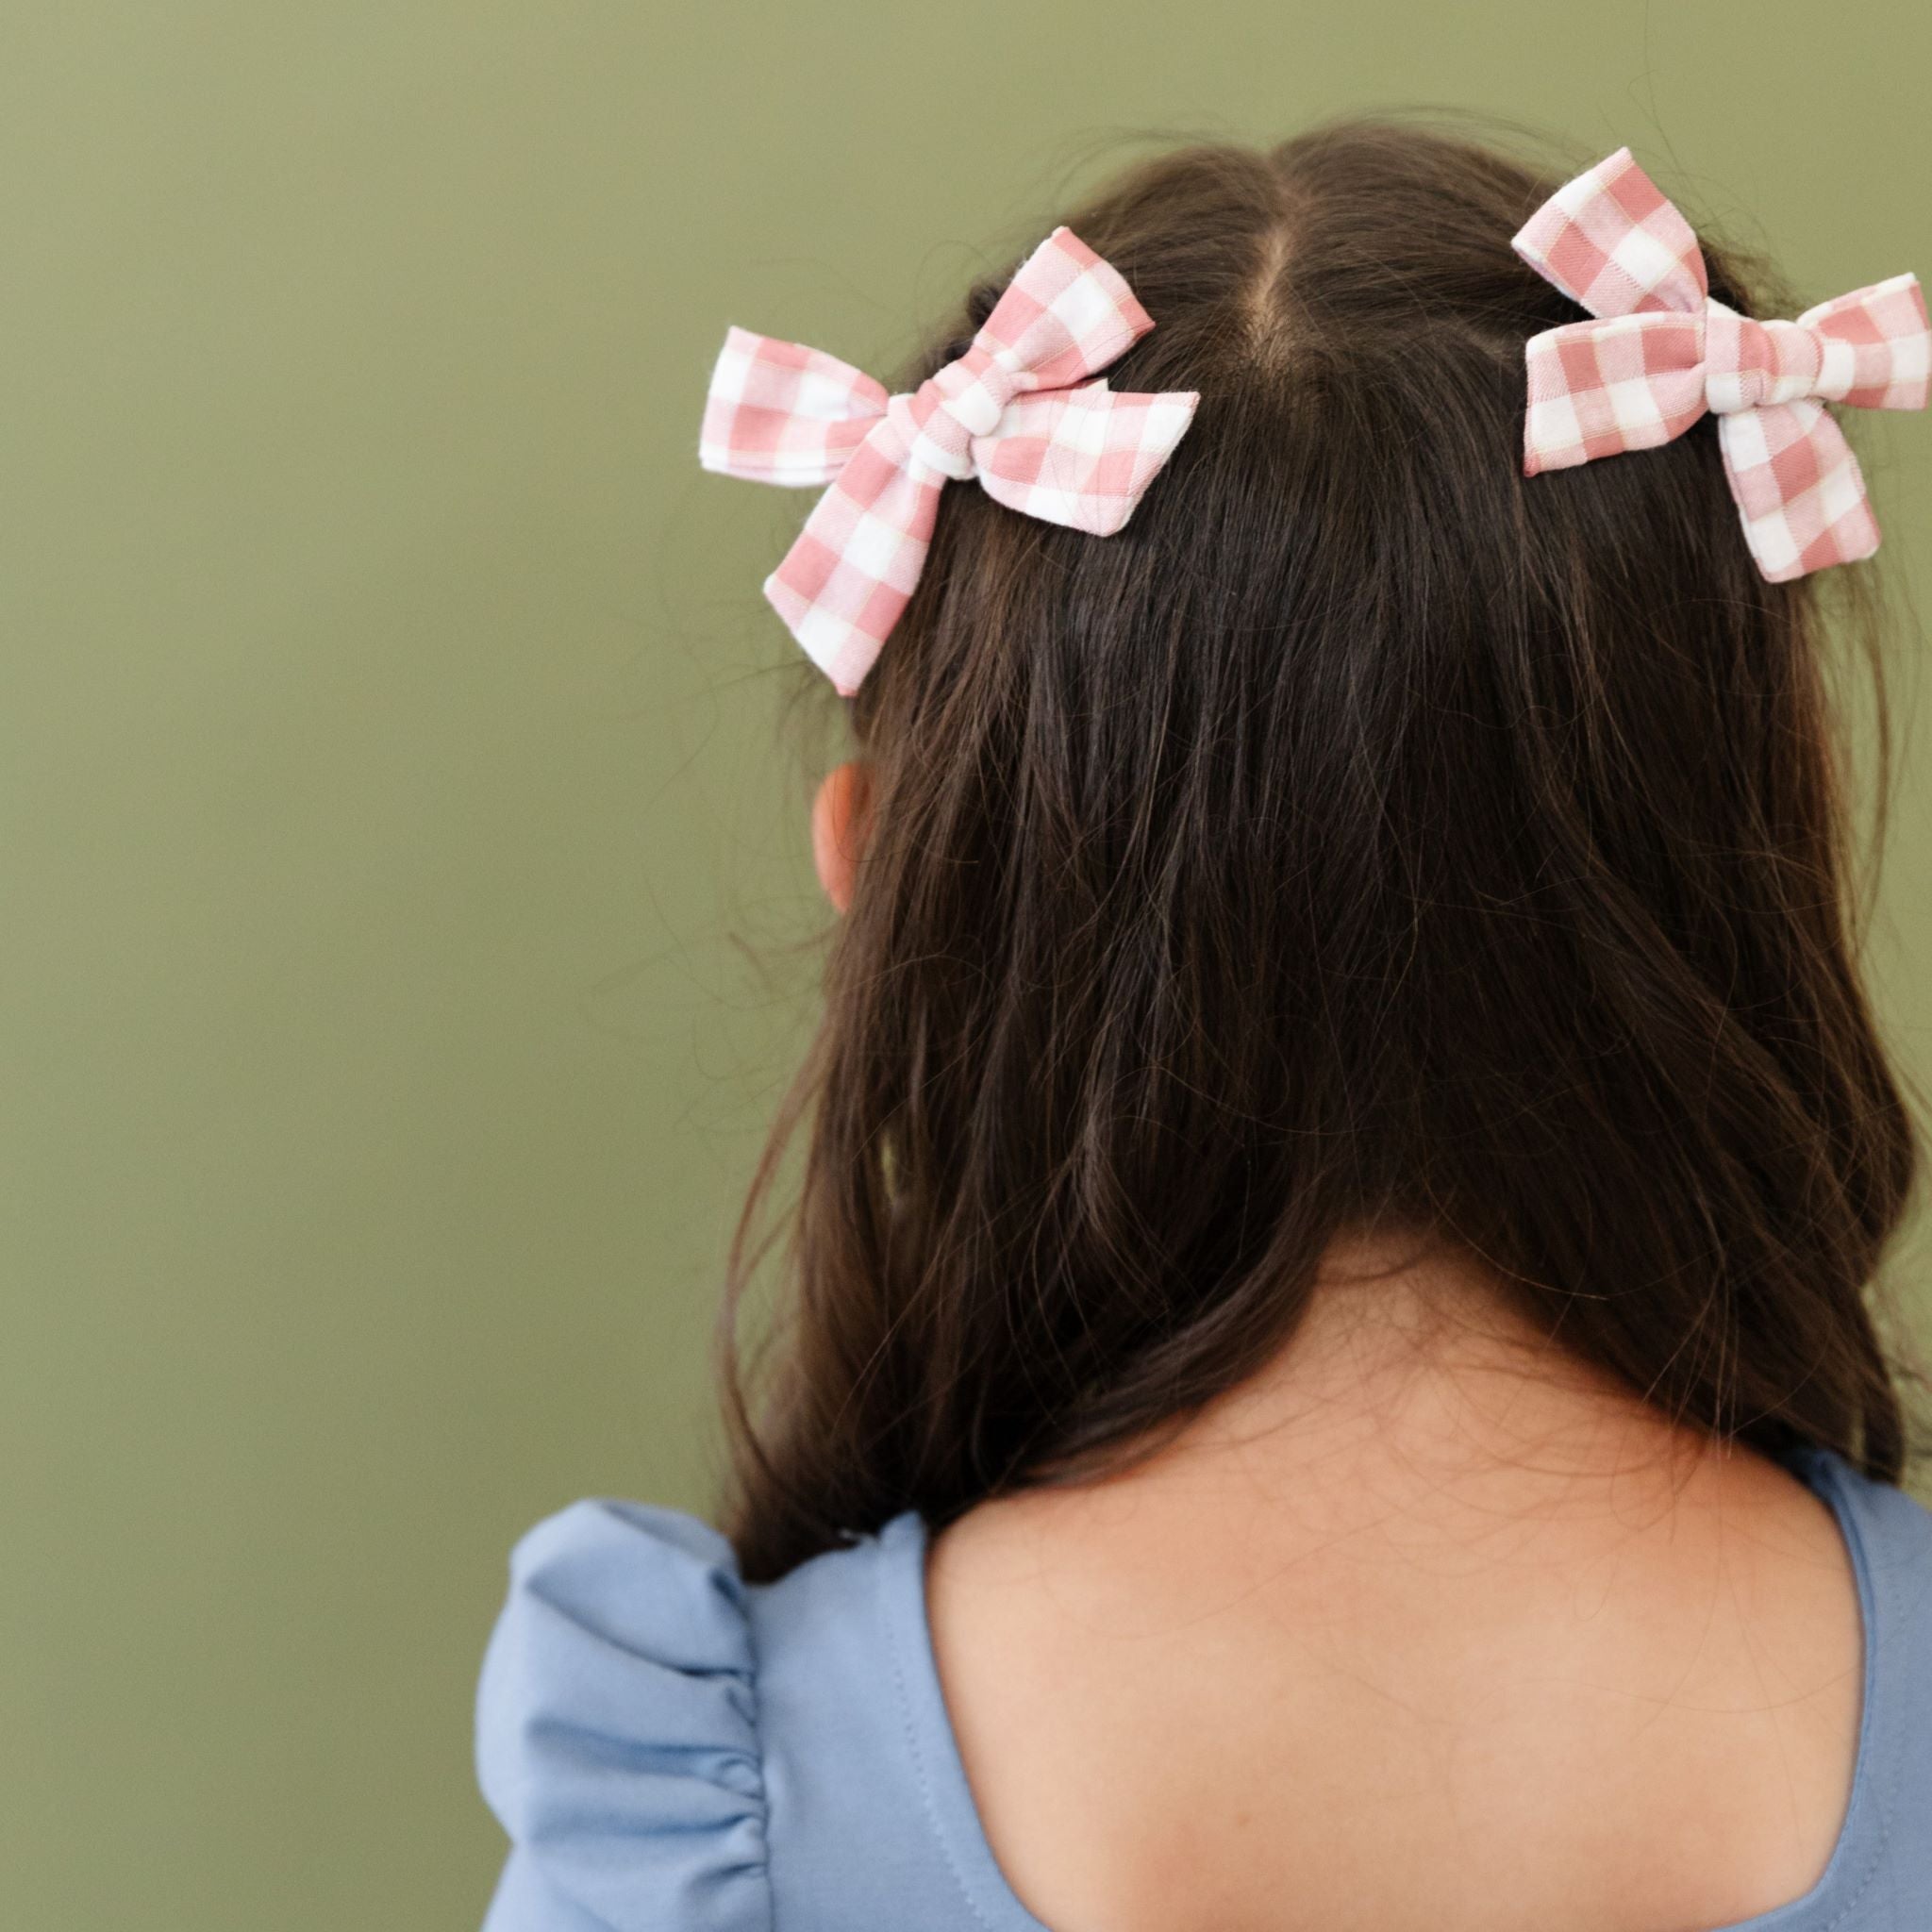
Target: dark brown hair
point(1364, 837)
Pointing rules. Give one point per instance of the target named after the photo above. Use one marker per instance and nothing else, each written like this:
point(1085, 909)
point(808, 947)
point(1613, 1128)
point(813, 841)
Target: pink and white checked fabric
point(1018, 410)
point(1664, 352)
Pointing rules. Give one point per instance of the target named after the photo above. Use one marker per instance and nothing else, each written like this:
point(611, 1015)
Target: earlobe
point(840, 825)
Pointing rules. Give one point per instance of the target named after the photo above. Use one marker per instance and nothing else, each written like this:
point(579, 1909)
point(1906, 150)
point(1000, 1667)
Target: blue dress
point(673, 1750)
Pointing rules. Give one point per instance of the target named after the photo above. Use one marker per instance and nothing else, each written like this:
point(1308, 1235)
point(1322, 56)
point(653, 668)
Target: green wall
point(403, 833)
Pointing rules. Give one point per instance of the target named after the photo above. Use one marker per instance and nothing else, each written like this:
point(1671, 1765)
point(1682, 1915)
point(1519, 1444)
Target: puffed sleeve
point(617, 1733)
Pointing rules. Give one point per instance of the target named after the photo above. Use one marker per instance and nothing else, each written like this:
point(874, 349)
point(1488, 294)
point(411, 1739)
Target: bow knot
point(1749, 364)
point(939, 422)
point(1661, 352)
point(1019, 410)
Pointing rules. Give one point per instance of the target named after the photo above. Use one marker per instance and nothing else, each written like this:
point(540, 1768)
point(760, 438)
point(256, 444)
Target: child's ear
point(841, 822)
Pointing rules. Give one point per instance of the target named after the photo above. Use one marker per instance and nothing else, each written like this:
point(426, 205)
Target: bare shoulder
point(1180, 1711)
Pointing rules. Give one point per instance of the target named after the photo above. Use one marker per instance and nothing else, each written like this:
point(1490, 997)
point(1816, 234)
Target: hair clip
point(1664, 352)
point(1017, 411)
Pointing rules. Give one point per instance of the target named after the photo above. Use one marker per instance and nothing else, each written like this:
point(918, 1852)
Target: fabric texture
point(673, 1750)
point(1662, 352)
point(1018, 411)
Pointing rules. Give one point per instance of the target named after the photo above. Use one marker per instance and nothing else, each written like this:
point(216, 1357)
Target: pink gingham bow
point(1017, 411)
point(1664, 351)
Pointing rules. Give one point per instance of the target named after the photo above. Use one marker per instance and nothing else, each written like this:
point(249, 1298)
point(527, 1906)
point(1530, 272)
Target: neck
point(1418, 1405)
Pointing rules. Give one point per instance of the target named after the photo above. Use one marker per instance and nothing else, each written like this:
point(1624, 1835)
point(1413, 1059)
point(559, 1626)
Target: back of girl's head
point(1363, 837)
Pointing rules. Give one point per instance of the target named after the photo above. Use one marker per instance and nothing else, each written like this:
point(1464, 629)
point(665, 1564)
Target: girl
point(1324, 1376)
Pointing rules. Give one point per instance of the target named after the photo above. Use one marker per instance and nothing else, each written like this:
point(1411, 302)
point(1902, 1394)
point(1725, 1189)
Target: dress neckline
point(947, 1798)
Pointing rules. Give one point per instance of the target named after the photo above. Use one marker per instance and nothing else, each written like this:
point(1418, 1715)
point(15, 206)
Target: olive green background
point(407, 913)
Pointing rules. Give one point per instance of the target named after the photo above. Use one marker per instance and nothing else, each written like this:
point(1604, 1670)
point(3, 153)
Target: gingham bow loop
point(1019, 410)
point(1664, 352)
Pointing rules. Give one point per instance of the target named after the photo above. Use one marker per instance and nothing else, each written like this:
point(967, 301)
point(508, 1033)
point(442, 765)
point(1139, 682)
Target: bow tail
point(1615, 243)
point(1081, 457)
point(842, 584)
point(1800, 493)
